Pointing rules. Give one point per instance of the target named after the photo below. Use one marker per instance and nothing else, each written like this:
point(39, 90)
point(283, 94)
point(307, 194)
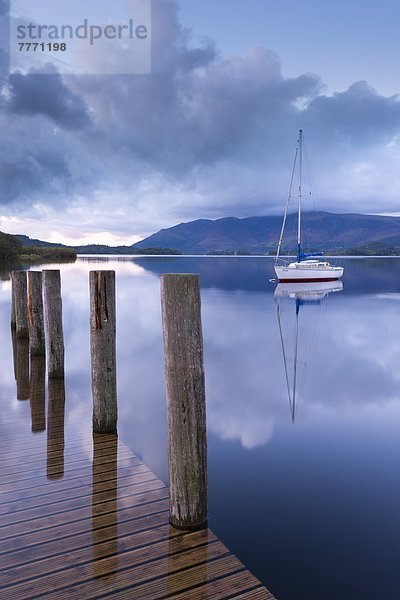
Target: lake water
point(305, 490)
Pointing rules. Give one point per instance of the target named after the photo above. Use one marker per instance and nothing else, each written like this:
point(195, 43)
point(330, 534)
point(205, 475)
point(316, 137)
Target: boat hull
point(299, 275)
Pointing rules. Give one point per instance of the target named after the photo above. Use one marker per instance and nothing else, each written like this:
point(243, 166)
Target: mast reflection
point(303, 294)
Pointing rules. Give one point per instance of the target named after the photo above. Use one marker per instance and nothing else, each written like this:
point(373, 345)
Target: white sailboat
point(304, 269)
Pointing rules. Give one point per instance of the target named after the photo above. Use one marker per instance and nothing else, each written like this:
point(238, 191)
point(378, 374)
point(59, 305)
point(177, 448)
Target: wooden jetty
point(82, 517)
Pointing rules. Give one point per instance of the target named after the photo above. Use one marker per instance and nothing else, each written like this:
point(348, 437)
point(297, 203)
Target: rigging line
point(311, 177)
point(278, 312)
point(287, 203)
point(300, 192)
point(307, 239)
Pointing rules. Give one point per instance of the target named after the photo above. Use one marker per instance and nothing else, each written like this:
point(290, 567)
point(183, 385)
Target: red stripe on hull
point(308, 280)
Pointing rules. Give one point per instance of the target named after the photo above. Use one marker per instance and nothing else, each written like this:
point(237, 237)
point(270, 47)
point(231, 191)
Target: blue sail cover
point(303, 256)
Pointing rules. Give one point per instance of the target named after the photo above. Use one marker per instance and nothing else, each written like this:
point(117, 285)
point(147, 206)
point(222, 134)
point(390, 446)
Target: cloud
point(203, 136)
point(4, 7)
point(359, 115)
point(43, 92)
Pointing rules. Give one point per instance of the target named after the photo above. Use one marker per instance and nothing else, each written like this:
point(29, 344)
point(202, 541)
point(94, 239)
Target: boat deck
point(82, 517)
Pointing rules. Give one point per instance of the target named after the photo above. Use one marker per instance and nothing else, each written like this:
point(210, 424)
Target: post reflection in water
point(38, 393)
point(303, 294)
point(104, 475)
point(55, 428)
point(21, 366)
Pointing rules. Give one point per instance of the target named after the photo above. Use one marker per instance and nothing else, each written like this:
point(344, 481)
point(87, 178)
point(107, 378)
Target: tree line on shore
point(12, 250)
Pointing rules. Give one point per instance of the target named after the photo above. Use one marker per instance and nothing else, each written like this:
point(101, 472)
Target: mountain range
point(338, 233)
point(259, 235)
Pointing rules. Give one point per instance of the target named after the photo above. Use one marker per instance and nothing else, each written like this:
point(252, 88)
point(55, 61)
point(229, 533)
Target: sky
point(212, 130)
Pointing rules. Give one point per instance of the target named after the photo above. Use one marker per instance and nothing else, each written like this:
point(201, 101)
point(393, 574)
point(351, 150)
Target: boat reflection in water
point(304, 294)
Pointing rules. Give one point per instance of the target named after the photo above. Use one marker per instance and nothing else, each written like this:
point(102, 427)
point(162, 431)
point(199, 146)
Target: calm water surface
point(303, 461)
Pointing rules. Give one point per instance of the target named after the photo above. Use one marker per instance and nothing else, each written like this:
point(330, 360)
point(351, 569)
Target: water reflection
point(55, 428)
point(303, 294)
point(105, 456)
point(21, 366)
point(346, 433)
point(198, 546)
point(38, 393)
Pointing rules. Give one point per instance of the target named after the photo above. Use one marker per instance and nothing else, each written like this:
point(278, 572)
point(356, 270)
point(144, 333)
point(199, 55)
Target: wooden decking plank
point(20, 436)
point(83, 502)
point(145, 559)
point(27, 554)
point(72, 558)
point(55, 530)
point(26, 460)
point(141, 483)
point(41, 440)
point(107, 467)
point(241, 586)
point(57, 462)
point(261, 593)
point(78, 483)
point(77, 514)
point(114, 578)
point(181, 581)
point(59, 459)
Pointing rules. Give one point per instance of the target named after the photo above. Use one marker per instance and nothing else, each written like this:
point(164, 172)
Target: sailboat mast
point(299, 195)
point(287, 204)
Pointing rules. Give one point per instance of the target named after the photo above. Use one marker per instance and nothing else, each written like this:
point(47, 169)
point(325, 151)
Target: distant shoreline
point(331, 257)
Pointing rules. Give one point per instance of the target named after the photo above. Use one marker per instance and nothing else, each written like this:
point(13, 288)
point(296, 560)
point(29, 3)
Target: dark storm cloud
point(51, 165)
point(359, 114)
point(4, 42)
point(32, 173)
point(46, 94)
point(4, 7)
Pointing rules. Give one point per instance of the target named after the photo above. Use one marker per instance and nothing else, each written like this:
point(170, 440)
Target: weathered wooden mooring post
point(53, 323)
point(37, 344)
point(184, 369)
point(19, 308)
point(103, 351)
point(13, 315)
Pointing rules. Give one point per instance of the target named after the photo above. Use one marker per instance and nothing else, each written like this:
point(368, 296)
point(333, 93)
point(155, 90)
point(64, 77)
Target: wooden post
point(53, 322)
point(35, 314)
point(103, 353)
point(13, 316)
point(187, 436)
point(19, 295)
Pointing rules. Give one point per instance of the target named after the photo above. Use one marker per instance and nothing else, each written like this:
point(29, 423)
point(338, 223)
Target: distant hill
point(332, 233)
point(259, 235)
point(20, 249)
point(27, 241)
point(32, 243)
